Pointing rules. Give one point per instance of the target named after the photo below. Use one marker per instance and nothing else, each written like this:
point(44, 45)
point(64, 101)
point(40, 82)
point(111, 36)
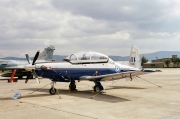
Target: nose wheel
point(52, 90)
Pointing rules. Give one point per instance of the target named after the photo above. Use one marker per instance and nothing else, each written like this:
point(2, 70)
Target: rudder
point(47, 54)
point(134, 57)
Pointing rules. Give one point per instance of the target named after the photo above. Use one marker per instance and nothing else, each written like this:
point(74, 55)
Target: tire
point(72, 86)
point(96, 88)
point(52, 91)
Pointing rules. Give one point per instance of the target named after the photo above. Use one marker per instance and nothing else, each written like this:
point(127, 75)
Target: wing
point(13, 67)
point(116, 76)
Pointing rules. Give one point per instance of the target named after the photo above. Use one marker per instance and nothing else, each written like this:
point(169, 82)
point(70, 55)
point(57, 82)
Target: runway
point(154, 96)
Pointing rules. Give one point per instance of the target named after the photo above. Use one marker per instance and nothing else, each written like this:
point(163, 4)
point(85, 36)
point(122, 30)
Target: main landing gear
point(98, 87)
point(72, 85)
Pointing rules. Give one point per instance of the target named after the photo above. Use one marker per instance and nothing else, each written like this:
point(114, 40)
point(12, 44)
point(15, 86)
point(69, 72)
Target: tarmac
point(153, 96)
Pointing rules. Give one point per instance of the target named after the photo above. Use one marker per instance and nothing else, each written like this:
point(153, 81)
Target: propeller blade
point(26, 80)
point(36, 76)
point(12, 76)
point(37, 79)
point(28, 59)
point(28, 77)
point(35, 57)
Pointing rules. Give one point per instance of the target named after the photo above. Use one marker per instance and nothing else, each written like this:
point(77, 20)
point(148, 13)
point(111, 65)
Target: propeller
point(35, 57)
point(28, 77)
point(32, 69)
point(28, 59)
point(36, 76)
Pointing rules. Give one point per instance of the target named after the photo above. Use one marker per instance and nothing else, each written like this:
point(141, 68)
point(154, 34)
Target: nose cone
point(29, 67)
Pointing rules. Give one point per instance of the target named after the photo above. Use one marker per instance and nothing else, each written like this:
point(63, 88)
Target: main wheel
point(72, 86)
point(96, 88)
point(52, 91)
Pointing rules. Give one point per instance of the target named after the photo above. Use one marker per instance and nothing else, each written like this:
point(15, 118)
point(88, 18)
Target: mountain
point(56, 57)
point(149, 56)
point(59, 57)
point(12, 58)
point(119, 58)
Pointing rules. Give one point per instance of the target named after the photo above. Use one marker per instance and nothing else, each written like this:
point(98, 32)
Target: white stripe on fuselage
point(63, 65)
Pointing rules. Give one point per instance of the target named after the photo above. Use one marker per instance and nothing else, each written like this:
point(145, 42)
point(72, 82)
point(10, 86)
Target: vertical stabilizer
point(47, 54)
point(134, 57)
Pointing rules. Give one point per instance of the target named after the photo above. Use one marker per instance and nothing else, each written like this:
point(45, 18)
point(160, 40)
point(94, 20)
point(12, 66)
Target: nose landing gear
point(52, 90)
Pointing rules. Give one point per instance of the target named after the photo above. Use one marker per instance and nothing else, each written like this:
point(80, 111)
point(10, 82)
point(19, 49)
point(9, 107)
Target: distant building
point(159, 63)
point(161, 60)
point(153, 65)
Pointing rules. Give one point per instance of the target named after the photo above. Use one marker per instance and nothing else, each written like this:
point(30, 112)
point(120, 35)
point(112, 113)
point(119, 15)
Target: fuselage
point(66, 71)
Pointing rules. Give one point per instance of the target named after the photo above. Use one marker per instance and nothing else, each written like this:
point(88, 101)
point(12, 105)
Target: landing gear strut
point(72, 85)
point(98, 87)
point(52, 90)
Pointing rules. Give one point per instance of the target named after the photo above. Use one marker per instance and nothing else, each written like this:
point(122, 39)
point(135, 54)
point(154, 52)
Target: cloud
point(110, 26)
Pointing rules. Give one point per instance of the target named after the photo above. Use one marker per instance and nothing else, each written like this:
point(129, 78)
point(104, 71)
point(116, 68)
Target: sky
point(107, 26)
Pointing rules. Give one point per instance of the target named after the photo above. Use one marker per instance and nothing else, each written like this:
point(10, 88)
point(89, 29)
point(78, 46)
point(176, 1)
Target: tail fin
point(134, 57)
point(47, 54)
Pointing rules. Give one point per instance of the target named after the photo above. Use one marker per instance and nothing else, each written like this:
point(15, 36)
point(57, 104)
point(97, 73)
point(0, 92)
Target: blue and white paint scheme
point(84, 66)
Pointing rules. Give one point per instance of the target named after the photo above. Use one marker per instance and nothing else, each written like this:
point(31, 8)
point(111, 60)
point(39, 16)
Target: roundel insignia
point(117, 69)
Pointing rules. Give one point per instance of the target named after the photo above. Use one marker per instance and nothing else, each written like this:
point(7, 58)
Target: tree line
point(176, 61)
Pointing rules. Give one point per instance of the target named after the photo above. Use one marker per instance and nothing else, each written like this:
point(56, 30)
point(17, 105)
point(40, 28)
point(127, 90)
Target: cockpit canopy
point(87, 57)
